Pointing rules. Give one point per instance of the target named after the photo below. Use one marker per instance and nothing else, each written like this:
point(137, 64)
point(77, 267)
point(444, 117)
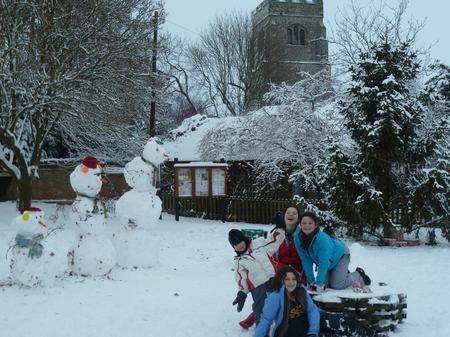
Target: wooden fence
point(236, 209)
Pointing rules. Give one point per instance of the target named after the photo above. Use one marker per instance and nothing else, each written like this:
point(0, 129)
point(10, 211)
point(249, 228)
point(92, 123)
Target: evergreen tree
point(339, 177)
point(384, 116)
point(431, 198)
point(350, 194)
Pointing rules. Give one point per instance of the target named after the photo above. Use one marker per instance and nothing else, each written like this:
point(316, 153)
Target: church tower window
point(290, 36)
point(296, 35)
point(302, 37)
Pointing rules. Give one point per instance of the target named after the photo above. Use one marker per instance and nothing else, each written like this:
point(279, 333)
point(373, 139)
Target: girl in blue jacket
point(290, 307)
point(330, 255)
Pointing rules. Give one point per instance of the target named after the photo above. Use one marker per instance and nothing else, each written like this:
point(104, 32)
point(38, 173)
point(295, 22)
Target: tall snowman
point(38, 254)
point(138, 210)
point(94, 253)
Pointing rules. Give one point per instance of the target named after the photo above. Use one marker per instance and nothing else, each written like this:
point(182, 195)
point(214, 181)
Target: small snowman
point(38, 255)
point(94, 253)
point(138, 210)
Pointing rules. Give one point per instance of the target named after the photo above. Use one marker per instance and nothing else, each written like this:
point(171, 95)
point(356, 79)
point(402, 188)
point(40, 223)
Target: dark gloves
point(279, 220)
point(240, 300)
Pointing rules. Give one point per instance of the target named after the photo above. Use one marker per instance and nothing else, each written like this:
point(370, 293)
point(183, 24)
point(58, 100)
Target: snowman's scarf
point(33, 243)
point(96, 200)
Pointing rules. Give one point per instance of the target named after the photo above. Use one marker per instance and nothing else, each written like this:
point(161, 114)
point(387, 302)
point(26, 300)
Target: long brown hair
point(299, 293)
point(282, 223)
point(278, 282)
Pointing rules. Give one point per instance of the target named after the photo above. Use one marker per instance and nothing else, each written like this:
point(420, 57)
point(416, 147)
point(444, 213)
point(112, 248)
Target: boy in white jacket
point(253, 267)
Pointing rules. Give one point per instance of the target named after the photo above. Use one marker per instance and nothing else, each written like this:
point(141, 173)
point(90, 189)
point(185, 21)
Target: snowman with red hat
point(38, 253)
point(94, 253)
point(138, 210)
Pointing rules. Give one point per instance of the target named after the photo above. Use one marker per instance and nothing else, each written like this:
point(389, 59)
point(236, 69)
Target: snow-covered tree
point(286, 139)
point(62, 64)
point(395, 125)
point(383, 116)
point(430, 201)
point(430, 187)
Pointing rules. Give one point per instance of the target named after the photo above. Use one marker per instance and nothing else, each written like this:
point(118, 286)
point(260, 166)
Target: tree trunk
point(24, 185)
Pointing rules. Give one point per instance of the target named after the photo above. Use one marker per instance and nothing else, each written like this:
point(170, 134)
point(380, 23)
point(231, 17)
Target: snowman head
point(31, 222)
point(154, 152)
point(139, 175)
point(87, 178)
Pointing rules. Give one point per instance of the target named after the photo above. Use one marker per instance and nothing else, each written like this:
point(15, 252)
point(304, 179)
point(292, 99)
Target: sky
point(188, 17)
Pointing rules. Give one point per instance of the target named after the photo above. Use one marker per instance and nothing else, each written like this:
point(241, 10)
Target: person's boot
point(248, 322)
point(366, 279)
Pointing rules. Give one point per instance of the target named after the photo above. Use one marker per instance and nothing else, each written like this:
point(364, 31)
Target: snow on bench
point(381, 310)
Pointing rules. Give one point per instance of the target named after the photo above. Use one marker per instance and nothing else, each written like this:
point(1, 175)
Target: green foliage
point(398, 161)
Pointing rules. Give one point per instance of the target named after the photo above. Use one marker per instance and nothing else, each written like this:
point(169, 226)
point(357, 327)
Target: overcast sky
point(188, 17)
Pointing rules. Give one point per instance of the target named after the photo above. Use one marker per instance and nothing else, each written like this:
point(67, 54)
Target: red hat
point(90, 162)
point(30, 209)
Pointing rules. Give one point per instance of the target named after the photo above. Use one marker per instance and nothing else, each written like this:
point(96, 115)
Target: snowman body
point(140, 207)
point(38, 255)
point(94, 253)
point(138, 211)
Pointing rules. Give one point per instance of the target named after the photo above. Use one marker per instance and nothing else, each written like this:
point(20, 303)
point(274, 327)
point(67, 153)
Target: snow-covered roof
point(185, 140)
point(187, 137)
point(201, 164)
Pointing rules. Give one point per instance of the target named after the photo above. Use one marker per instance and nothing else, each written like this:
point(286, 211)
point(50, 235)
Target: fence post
point(223, 209)
point(177, 209)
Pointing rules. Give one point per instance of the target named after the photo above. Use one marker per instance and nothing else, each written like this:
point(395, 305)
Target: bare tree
point(60, 64)
point(176, 65)
point(359, 27)
point(181, 90)
point(229, 63)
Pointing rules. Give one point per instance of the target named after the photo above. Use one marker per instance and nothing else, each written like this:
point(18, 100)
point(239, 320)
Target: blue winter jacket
point(324, 251)
point(273, 312)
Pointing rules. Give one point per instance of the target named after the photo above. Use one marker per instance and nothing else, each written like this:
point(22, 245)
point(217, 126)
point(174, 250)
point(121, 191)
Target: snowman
point(38, 254)
point(94, 253)
point(138, 210)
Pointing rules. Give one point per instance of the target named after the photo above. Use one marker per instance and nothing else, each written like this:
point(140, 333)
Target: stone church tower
point(291, 36)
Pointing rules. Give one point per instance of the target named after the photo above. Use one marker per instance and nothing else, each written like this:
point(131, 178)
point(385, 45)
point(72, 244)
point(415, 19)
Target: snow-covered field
point(190, 292)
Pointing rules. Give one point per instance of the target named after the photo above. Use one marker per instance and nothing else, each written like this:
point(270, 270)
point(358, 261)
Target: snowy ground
point(190, 292)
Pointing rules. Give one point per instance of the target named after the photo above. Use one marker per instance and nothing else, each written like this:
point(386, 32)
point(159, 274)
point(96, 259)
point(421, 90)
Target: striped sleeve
point(274, 241)
point(241, 276)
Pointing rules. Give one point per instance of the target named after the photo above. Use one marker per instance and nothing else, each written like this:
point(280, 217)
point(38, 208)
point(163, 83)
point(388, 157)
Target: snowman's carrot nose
point(42, 224)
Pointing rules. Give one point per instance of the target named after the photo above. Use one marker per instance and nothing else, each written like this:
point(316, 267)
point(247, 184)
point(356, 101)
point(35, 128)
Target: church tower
point(291, 36)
